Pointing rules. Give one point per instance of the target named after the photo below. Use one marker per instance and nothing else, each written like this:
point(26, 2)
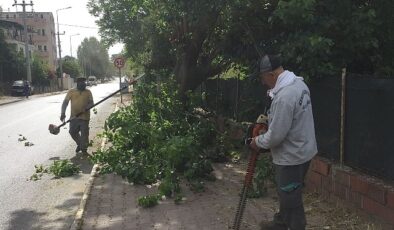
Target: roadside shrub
point(156, 139)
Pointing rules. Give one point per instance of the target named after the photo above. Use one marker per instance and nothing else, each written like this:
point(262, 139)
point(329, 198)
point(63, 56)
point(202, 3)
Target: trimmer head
point(53, 129)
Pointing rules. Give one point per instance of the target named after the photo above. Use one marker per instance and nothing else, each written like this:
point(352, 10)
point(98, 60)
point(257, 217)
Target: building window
point(40, 47)
point(42, 16)
point(43, 32)
point(45, 48)
point(6, 16)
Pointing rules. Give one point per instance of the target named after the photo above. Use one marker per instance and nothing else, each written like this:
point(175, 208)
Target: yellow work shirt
point(79, 102)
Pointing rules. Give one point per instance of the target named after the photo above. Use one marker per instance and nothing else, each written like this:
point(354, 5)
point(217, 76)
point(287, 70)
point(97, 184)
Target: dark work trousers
point(290, 181)
point(79, 131)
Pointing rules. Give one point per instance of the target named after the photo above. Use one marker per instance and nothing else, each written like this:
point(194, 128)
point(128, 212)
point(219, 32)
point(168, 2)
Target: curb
point(10, 102)
point(78, 219)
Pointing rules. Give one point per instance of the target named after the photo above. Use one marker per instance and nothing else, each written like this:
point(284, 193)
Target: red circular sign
point(119, 62)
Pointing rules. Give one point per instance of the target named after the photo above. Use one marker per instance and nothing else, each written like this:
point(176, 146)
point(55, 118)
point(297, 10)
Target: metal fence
point(369, 116)
point(369, 137)
point(326, 104)
point(241, 100)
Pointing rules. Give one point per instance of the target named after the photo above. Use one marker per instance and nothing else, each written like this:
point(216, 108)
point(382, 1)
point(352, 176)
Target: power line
point(86, 27)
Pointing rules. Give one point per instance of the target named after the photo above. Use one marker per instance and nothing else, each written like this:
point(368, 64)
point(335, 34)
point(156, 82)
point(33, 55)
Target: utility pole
point(59, 45)
point(27, 53)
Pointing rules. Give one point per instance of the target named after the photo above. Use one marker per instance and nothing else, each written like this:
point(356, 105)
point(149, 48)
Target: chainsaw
point(254, 130)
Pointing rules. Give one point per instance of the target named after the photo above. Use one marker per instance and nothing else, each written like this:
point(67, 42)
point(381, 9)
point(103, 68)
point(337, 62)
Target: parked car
point(92, 80)
point(18, 88)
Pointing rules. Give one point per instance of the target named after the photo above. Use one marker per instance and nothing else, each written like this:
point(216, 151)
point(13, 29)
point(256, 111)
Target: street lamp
point(59, 45)
point(71, 46)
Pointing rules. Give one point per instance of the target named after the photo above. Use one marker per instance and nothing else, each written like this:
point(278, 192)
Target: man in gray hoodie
point(291, 139)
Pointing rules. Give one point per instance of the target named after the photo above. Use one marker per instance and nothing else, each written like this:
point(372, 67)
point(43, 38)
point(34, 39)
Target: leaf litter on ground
point(59, 168)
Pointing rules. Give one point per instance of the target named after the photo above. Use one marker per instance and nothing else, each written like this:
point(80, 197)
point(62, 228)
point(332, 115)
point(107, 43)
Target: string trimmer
point(253, 131)
point(53, 129)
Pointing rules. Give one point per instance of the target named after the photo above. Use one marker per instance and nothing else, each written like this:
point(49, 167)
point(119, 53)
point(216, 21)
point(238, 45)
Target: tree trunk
point(185, 73)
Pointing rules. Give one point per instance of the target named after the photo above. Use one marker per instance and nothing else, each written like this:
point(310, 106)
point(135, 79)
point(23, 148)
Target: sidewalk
point(112, 204)
point(4, 100)
point(8, 100)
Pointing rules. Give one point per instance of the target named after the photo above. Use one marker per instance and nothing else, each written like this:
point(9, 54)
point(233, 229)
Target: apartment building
point(42, 36)
point(14, 35)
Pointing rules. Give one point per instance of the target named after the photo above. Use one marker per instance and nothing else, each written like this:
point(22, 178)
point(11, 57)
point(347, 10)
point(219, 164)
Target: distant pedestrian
point(26, 89)
point(291, 139)
point(81, 99)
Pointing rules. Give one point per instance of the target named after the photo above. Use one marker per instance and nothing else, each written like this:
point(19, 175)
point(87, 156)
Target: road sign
point(119, 62)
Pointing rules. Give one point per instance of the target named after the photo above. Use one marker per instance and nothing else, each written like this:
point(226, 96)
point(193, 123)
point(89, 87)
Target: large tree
point(199, 39)
point(193, 39)
point(71, 66)
point(93, 58)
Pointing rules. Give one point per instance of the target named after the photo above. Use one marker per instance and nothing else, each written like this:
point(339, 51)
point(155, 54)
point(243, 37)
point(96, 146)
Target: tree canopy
point(196, 40)
point(71, 67)
point(40, 71)
point(93, 58)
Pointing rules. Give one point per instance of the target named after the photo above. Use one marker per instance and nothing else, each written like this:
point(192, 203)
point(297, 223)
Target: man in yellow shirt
point(81, 98)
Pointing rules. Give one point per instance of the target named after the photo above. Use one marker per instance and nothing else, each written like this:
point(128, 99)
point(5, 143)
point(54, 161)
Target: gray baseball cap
point(269, 63)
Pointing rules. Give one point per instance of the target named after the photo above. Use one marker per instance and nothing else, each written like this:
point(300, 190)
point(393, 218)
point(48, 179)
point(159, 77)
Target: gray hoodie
point(291, 133)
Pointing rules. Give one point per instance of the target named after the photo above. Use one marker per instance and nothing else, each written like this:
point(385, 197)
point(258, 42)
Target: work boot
point(78, 149)
point(270, 225)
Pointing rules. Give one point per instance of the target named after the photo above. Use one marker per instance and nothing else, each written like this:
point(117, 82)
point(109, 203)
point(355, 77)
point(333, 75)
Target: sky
point(77, 15)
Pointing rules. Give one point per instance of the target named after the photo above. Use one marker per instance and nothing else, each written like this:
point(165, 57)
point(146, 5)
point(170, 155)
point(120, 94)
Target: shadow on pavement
point(83, 162)
point(70, 204)
point(54, 158)
point(26, 219)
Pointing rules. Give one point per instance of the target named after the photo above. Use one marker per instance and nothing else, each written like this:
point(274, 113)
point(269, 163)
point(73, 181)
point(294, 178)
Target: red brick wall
point(364, 192)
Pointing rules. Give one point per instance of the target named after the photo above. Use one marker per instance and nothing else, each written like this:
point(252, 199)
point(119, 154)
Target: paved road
point(48, 203)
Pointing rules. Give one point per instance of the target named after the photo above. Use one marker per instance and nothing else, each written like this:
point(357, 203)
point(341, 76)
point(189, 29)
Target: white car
point(92, 80)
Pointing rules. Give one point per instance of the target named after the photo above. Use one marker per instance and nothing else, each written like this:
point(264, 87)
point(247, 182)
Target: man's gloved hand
point(62, 117)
